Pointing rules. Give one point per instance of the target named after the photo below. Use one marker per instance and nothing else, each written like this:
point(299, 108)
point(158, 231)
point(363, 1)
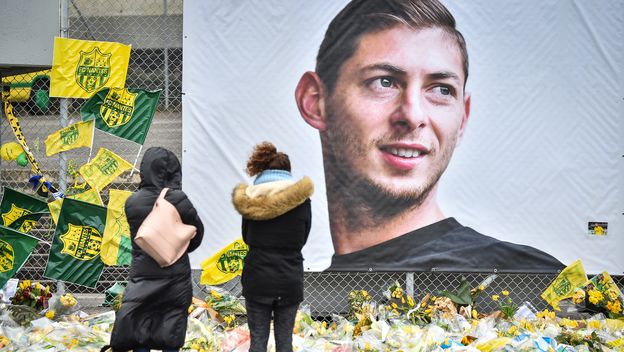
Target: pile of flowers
point(447, 321)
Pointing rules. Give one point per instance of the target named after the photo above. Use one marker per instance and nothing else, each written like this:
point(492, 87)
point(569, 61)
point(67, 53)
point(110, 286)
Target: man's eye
point(443, 90)
point(385, 82)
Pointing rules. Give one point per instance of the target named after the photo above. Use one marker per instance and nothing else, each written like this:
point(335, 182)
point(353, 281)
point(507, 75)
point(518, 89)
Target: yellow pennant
point(91, 196)
point(75, 136)
point(224, 265)
point(103, 169)
point(117, 227)
point(82, 67)
point(571, 277)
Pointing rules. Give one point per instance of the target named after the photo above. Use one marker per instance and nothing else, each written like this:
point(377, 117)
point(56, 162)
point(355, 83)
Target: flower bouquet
point(29, 300)
point(601, 295)
point(359, 304)
point(33, 295)
point(224, 302)
point(60, 306)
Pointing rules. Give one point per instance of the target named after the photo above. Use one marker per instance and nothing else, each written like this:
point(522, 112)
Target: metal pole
point(166, 53)
point(64, 113)
point(409, 284)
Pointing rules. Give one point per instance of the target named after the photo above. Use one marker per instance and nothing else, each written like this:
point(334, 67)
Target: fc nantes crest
point(107, 164)
point(118, 106)
point(232, 260)
point(93, 69)
point(7, 256)
point(81, 242)
point(14, 214)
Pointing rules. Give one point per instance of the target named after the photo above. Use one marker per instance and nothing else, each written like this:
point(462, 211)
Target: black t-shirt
point(447, 246)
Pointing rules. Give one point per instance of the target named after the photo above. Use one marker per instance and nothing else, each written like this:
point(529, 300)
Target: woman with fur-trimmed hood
point(277, 217)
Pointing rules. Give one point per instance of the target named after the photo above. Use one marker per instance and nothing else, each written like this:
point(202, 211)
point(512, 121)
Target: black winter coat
point(276, 222)
point(154, 309)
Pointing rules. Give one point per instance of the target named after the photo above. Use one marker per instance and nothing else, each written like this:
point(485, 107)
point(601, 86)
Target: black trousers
point(259, 322)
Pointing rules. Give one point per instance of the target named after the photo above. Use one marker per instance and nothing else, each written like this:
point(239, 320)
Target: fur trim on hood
point(272, 199)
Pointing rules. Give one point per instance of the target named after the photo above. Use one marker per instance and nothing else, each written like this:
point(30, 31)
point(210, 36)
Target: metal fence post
point(166, 60)
point(409, 284)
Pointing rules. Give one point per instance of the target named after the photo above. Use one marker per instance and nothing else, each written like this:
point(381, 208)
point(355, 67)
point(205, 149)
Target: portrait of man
point(389, 102)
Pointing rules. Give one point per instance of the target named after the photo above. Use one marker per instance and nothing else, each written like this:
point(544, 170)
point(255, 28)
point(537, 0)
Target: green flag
point(15, 248)
point(75, 253)
point(21, 211)
point(124, 112)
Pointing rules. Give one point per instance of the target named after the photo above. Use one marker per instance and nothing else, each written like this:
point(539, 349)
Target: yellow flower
point(481, 287)
point(72, 343)
point(495, 297)
point(410, 301)
point(546, 314)
point(612, 293)
point(594, 324)
point(475, 315)
point(614, 307)
point(215, 294)
point(394, 305)
point(578, 297)
point(595, 296)
point(568, 323)
point(513, 330)
point(50, 314)
point(505, 293)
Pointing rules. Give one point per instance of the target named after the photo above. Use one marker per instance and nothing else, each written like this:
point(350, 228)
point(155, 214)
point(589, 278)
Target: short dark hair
point(264, 157)
point(361, 17)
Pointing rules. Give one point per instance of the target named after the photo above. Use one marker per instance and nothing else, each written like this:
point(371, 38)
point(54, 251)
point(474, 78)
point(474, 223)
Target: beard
point(357, 199)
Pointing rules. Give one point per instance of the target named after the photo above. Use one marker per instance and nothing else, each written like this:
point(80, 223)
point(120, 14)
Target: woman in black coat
point(276, 222)
point(154, 308)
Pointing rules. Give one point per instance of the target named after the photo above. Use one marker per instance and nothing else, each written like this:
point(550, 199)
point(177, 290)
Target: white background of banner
point(542, 155)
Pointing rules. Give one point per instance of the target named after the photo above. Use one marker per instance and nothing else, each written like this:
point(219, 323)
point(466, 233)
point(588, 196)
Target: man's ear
point(310, 98)
point(464, 121)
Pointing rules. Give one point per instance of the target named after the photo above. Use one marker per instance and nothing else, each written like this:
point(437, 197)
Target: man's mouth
point(405, 152)
point(403, 156)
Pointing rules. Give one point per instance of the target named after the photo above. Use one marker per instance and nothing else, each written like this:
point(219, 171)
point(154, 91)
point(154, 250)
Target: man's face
point(397, 112)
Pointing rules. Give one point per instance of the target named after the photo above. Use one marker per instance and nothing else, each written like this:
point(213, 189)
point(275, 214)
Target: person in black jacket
point(154, 308)
point(277, 217)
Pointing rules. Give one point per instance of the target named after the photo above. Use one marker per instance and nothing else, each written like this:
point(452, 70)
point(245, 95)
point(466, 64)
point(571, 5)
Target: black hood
point(160, 168)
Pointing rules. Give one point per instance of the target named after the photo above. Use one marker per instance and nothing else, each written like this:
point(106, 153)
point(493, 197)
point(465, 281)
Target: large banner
point(499, 148)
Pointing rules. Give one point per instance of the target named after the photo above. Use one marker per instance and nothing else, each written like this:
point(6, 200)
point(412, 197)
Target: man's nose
point(410, 113)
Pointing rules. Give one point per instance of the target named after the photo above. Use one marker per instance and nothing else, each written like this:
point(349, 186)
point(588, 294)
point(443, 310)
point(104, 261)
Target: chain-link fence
point(326, 293)
point(154, 29)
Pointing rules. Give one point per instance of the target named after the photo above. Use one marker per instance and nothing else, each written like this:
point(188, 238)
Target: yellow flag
point(224, 265)
point(103, 169)
point(571, 277)
point(90, 196)
point(75, 136)
point(82, 67)
point(116, 245)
